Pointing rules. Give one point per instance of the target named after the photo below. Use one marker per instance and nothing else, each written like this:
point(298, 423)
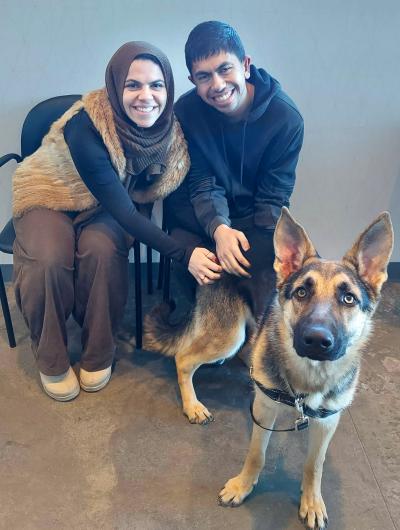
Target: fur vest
point(48, 178)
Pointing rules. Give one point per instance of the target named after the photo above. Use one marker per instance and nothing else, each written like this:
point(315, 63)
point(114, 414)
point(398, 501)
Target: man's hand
point(203, 265)
point(230, 243)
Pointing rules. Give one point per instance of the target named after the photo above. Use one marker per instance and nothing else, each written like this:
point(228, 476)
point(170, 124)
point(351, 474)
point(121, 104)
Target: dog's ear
point(371, 252)
point(292, 246)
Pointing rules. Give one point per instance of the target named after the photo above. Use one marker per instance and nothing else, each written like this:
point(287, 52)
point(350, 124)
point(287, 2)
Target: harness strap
point(284, 397)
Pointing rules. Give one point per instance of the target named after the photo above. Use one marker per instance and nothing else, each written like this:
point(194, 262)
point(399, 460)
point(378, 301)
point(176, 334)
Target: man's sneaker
point(62, 387)
point(94, 381)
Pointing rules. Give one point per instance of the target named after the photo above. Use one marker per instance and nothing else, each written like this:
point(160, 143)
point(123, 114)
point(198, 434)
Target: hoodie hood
point(266, 87)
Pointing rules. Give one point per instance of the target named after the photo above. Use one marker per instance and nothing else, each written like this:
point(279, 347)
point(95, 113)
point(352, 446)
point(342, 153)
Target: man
point(244, 135)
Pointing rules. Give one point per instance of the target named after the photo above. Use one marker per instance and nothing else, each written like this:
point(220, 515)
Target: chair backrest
point(39, 120)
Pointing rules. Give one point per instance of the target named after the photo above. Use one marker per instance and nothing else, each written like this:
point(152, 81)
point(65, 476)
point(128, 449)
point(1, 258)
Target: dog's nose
point(318, 339)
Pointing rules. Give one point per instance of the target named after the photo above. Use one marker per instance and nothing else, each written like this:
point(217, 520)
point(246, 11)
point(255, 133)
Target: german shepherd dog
point(306, 352)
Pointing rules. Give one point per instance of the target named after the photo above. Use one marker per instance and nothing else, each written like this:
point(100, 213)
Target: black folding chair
point(36, 125)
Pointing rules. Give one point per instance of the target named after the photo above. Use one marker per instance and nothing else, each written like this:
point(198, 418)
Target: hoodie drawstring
point(241, 154)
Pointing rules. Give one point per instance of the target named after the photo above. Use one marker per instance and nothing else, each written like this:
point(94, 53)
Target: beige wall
point(339, 60)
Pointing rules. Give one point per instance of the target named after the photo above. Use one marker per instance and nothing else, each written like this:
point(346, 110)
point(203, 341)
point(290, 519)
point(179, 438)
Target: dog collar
point(296, 401)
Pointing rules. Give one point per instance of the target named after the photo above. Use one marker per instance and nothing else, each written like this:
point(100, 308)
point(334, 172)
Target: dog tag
point(301, 423)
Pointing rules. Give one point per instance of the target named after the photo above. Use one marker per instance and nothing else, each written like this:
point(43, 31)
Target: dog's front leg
point(238, 488)
point(312, 510)
point(192, 407)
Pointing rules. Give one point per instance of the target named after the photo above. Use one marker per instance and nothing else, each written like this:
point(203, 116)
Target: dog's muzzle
point(317, 342)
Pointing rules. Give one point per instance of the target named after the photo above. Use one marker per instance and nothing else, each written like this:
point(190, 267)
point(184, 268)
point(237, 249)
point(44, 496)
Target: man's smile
point(225, 97)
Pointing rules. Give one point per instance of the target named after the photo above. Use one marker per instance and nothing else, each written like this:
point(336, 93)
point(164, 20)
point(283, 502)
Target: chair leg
point(162, 258)
point(149, 266)
point(138, 295)
point(161, 272)
point(167, 280)
point(6, 313)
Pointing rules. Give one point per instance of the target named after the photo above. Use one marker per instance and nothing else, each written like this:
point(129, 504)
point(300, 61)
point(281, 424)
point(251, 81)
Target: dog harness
point(296, 401)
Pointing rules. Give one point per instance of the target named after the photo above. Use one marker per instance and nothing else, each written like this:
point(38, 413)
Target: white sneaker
point(94, 381)
point(62, 387)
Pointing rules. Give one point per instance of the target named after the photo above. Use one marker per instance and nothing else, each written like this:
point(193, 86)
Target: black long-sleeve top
point(246, 168)
point(93, 164)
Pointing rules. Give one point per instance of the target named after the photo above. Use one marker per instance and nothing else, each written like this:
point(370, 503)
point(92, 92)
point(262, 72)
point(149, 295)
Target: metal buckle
point(301, 422)
point(298, 403)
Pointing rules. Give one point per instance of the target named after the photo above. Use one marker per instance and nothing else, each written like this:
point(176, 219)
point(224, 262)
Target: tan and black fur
point(214, 330)
point(310, 342)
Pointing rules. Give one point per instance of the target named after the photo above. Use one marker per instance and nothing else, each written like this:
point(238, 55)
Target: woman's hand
point(203, 265)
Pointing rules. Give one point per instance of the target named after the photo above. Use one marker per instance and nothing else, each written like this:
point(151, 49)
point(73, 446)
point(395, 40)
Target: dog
point(306, 353)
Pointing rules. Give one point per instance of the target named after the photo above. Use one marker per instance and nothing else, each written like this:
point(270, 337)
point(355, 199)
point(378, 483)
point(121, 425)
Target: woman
point(79, 202)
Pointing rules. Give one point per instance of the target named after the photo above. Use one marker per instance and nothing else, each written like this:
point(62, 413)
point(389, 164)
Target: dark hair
point(210, 38)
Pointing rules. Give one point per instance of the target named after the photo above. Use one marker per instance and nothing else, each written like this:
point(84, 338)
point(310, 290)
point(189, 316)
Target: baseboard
point(393, 271)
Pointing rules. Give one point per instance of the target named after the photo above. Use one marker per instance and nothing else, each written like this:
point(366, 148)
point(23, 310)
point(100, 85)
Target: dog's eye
point(300, 292)
point(349, 299)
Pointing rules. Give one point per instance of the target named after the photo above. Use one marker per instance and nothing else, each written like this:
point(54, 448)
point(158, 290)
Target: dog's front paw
point(234, 492)
point(198, 413)
point(312, 511)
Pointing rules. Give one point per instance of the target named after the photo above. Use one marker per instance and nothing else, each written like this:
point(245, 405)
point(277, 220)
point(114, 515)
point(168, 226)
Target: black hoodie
point(246, 168)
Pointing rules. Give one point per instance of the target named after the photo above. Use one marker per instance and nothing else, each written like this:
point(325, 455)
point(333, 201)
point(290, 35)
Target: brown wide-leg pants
point(63, 268)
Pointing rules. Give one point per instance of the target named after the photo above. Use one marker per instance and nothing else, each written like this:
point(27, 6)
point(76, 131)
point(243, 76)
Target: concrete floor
point(126, 458)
